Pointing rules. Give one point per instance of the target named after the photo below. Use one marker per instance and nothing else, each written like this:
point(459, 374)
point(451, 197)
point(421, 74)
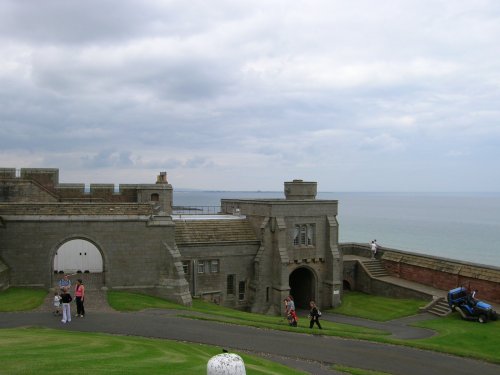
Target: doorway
point(302, 287)
point(78, 256)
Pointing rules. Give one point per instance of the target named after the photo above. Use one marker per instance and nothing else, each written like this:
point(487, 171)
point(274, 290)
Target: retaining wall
point(437, 272)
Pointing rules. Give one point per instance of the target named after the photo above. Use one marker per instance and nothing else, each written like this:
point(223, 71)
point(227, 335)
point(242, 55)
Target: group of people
point(291, 314)
point(63, 299)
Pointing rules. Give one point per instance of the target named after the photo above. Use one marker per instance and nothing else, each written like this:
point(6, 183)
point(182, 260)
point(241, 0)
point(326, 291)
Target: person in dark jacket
point(314, 315)
point(66, 305)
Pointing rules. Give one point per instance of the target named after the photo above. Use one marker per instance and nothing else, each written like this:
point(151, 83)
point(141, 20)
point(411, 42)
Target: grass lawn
point(21, 299)
point(125, 301)
point(377, 308)
point(44, 351)
point(463, 338)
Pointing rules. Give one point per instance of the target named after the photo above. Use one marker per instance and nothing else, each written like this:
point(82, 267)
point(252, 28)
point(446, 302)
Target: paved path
point(399, 328)
point(301, 348)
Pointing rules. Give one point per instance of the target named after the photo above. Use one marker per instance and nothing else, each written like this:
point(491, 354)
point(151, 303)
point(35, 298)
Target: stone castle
point(249, 254)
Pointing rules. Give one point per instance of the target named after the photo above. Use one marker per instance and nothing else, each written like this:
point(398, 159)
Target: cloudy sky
point(357, 95)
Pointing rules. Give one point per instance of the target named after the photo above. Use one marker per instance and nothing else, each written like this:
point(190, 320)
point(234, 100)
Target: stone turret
point(162, 178)
point(299, 189)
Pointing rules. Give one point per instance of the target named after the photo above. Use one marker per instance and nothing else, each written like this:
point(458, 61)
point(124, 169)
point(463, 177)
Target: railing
point(196, 210)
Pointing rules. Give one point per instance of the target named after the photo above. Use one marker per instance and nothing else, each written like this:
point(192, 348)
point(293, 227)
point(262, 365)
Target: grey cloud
point(108, 158)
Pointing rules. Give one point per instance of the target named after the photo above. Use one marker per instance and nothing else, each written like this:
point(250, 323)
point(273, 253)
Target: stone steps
point(375, 268)
point(438, 307)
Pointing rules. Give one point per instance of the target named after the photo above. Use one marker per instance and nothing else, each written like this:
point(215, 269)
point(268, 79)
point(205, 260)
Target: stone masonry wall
point(133, 252)
point(233, 258)
point(440, 273)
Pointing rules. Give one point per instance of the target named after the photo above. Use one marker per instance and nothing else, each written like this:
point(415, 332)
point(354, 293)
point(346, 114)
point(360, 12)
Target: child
point(66, 305)
point(57, 304)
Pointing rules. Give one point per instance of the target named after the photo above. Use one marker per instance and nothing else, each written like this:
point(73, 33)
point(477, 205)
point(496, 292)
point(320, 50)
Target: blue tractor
point(459, 299)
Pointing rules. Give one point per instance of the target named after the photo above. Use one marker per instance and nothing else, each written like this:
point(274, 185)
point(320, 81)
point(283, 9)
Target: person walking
point(66, 305)
point(291, 312)
point(79, 297)
point(314, 315)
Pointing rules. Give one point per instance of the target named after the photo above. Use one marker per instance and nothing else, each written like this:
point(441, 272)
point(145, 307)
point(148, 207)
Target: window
point(208, 266)
point(155, 197)
point(267, 294)
point(311, 230)
point(296, 235)
point(201, 266)
point(214, 266)
point(304, 235)
point(230, 284)
point(241, 290)
point(186, 267)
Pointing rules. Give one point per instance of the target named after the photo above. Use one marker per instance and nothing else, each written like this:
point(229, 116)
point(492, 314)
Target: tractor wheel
point(494, 316)
point(482, 318)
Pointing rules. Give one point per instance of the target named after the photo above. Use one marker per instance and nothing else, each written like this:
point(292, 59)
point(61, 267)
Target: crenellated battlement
point(42, 185)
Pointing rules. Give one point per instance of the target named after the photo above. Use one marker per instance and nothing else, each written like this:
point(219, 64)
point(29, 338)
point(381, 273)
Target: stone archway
point(78, 256)
point(302, 287)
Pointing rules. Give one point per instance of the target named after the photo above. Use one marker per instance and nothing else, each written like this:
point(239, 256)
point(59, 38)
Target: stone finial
point(162, 178)
point(226, 364)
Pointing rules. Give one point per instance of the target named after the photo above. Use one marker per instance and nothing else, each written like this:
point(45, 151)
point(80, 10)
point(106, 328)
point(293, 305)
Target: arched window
point(155, 197)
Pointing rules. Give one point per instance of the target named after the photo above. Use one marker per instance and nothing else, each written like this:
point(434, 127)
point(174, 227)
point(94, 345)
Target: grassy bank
point(44, 351)
point(21, 299)
point(377, 308)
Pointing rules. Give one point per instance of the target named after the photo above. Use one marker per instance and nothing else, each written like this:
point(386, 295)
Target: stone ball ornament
point(226, 364)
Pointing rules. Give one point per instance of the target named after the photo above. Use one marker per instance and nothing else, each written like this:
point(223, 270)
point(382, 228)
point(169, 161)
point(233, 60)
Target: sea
point(462, 226)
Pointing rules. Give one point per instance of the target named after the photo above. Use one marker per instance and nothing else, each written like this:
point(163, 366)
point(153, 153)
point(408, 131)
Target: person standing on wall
point(314, 315)
point(79, 297)
point(374, 247)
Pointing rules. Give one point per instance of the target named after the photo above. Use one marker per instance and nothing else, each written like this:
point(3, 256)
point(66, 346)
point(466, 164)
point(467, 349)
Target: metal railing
point(196, 210)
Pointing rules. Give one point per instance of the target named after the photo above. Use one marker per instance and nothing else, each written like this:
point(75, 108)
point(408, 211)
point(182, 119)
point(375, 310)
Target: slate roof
point(213, 231)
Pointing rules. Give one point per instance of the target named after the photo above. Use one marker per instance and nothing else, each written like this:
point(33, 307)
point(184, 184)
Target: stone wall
point(233, 259)
point(13, 190)
point(443, 273)
point(4, 275)
point(135, 250)
point(439, 273)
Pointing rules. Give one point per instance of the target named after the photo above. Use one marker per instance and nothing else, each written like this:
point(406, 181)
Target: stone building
point(250, 255)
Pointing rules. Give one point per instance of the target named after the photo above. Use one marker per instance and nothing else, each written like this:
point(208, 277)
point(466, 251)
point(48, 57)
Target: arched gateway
point(78, 256)
point(302, 287)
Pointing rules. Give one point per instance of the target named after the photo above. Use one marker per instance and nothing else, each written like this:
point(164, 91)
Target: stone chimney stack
point(162, 178)
point(299, 189)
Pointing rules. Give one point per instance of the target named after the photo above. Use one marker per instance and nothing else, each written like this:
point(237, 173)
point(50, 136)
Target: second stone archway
point(302, 287)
